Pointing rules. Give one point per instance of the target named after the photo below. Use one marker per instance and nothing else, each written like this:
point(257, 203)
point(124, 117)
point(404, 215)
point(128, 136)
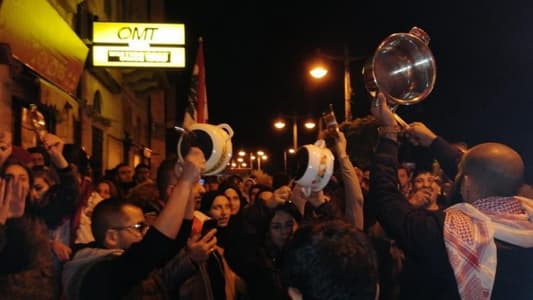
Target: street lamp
point(280, 124)
point(289, 151)
point(319, 71)
point(261, 156)
point(242, 156)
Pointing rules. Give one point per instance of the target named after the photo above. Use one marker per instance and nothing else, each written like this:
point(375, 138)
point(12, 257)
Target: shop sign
point(138, 45)
point(40, 38)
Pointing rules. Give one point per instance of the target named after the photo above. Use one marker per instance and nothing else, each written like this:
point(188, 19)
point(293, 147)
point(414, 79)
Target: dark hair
point(280, 179)
point(165, 172)
point(112, 187)
point(48, 174)
point(74, 154)
point(141, 166)
point(226, 185)
point(419, 171)
point(207, 200)
point(234, 179)
point(10, 163)
point(120, 165)
point(289, 208)
point(331, 260)
point(107, 214)
point(260, 187)
point(211, 179)
point(42, 151)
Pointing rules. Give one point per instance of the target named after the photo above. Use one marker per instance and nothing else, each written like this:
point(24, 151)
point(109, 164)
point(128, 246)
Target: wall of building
point(126, 113)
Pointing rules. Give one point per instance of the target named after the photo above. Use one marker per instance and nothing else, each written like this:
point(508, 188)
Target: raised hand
point(5, 201)
point(419, 134)
point(340, 144)
point(54, 146)
point(61, 250)
point(200, 248)
point(282, 194)
point(381, 111)
point(12, 199)
point(318, 198)
point(193, 164)
point(421, 198)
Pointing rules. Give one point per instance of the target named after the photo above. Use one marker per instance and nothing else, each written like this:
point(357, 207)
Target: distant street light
point(239, 162)
point(285, 153)
point(261, 156)
point(280, 124)
point(319, 71)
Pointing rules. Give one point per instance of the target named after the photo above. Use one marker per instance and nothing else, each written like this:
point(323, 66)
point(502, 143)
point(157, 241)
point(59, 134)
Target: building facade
point(116, 114)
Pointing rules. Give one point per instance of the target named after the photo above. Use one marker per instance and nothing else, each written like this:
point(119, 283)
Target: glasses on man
point(140, 227)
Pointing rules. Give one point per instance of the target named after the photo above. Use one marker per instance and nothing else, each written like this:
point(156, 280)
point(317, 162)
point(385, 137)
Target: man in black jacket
point(478, 249)
point(125, 249)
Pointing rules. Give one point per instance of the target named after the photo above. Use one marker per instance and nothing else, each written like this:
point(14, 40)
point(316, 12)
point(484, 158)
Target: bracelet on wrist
point(344, 156)
point(383, 130)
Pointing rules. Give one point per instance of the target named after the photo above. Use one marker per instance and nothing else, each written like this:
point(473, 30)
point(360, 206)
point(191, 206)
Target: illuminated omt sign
point(138, 45)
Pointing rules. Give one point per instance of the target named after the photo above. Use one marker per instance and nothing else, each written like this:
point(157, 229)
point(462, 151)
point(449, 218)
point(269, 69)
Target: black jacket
point(427, 273)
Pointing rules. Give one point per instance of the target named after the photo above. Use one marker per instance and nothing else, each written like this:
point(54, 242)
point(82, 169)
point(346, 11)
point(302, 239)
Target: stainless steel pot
point(403, 68)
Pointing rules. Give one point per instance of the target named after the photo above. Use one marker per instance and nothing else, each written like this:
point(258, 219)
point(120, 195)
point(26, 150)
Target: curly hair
point(331, 260)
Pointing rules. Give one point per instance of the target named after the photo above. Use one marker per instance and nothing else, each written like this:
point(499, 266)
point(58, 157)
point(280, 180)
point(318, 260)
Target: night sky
point(257, 56)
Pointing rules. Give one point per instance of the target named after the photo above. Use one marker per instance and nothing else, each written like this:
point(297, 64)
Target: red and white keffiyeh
point(469, 232)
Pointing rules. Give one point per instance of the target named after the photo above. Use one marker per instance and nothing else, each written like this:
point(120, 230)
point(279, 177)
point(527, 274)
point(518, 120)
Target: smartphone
point(330, 121)
point(208, 225)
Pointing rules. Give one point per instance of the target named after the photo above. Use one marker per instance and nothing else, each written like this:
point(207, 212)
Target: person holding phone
point(214, 277)
point(127, 251)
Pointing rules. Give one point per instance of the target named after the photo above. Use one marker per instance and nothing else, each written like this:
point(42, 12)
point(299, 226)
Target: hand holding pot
point(382, 112)
point(193, 165)
point(419, 134)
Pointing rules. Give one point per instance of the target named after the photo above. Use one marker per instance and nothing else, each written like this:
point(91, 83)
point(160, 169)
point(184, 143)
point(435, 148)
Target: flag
point(196, 111)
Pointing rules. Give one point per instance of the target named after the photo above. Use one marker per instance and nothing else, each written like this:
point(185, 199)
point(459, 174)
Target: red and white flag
point(196, 111)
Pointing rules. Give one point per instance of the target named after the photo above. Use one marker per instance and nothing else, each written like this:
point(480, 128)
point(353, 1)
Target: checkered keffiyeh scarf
point(469, 232)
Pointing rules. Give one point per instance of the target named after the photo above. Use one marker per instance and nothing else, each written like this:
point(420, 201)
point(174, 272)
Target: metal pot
point(403, 68)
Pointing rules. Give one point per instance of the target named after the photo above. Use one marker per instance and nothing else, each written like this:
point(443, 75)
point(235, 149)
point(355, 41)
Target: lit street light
point(289, 151)
point(280, 124)
point(261, 156)
point(319, 71)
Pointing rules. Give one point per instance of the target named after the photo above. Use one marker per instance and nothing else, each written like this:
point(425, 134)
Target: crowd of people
point(457, 230)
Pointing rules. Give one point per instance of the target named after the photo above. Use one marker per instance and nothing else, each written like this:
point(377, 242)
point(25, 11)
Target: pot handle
point(227, 128)
point(320, 143)
point(306, 191)
point(421, 34)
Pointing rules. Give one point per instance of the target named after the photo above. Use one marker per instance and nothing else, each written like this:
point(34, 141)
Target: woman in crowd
point(214, 279)
point(263, 277)
point(26, 263)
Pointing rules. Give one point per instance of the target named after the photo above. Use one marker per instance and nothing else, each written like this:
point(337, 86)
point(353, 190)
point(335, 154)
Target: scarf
point(469, 233)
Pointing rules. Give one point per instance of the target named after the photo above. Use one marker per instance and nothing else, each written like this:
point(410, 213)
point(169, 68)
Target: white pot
point(215, 142)
point(314, 166)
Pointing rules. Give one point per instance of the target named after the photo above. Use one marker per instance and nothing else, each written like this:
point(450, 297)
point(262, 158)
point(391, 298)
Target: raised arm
point(447, 155)
point(60, 201)
point(172, 215)
point(353, 195)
